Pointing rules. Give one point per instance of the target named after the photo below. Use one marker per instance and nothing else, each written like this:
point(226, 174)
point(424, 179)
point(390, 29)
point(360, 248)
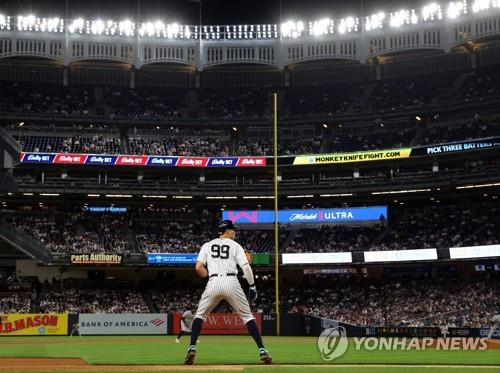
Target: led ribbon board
point(400, 255)
point(320, 216)
point(316, 258)
point(474, 252)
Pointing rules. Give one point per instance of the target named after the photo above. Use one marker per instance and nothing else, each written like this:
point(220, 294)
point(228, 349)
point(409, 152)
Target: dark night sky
point(214, 11)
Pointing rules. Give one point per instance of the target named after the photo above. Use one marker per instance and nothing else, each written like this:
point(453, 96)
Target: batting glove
point(252, 293)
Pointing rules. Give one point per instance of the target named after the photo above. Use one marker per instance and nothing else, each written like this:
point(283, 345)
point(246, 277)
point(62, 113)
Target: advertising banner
point(33, 324)
point(404, 331)
point(220, 323)
point(97, 258)
point(37, 158)
point(101, 159)
point(161, 161)
point(70, 158)
point(376, 155)
point(141, 160)
point(474, 251)
point(316, 258)
point(192, 162)
point(251, 162)
point(172, 259)
point(255, 259)
point(132, 160)
point(311, 159)
point(105, 209)
point(400, 255)
point(139, 323)
point(223, 162)
point(354, 214)
point(456, 147)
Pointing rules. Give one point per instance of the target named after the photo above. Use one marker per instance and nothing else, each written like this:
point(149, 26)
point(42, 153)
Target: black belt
point(227, 274)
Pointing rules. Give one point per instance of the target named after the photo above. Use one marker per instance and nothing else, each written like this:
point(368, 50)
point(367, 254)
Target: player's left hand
point(252, 293)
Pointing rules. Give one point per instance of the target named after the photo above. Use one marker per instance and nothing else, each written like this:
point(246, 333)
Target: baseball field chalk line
point(40, 365)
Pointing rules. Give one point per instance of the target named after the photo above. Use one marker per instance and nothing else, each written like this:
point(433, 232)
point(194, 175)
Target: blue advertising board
point(101, 159)
point(172, 259)
point(320, 216)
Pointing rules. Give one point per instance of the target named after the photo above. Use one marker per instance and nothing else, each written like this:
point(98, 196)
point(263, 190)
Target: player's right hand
point(252, 293)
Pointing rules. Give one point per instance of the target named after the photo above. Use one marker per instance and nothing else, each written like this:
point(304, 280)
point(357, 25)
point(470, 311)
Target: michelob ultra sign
point(34, 324)
point(318, 216)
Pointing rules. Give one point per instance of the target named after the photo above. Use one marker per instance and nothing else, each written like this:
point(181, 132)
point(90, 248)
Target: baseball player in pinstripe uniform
point(218, 260)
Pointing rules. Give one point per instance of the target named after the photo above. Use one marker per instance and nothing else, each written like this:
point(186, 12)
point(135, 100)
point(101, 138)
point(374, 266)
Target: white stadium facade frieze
point(433, 27)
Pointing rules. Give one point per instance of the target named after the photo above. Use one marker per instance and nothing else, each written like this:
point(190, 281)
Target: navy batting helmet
point(224, 225)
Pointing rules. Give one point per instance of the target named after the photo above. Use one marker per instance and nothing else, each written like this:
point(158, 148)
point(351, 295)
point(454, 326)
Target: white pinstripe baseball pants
point(224, 288)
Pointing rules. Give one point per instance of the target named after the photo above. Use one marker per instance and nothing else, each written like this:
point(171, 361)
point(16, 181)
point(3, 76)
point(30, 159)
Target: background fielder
point(186, 323)
point(221, 257)
point(495, 324)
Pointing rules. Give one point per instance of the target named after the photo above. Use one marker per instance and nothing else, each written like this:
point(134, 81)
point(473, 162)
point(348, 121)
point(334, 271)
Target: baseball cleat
point(177, 340)
point(265, 357)
point(189, 360)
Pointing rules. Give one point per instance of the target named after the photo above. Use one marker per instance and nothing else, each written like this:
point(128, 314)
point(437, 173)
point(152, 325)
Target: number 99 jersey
point(221, 256)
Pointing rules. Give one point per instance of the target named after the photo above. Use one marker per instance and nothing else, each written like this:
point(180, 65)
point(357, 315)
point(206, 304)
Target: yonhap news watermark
point(333, 343)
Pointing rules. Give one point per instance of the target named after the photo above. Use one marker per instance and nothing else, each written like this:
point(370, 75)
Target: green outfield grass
point(233, 350)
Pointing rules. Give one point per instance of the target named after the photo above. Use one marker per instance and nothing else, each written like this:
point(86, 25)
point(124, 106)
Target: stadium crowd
point(403, 301)
point(91, 298)
point(182, 146)
point(18, 302)
point(144, 104)
point(96, 144)
point(174, 230)
point(197, 143)
point(236, 103)
point(75, 232)
point(408, 228)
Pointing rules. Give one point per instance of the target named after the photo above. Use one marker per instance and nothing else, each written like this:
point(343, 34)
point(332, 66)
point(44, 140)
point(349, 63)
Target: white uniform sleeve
point(241, 257)
point(185, 314)
point(242, 260)
point(203, 255)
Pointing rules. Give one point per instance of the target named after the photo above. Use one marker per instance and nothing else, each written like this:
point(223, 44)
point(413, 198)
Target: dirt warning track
point(41, 365)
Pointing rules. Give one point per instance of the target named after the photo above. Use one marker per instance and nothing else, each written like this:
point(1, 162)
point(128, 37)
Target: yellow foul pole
point(276, 231)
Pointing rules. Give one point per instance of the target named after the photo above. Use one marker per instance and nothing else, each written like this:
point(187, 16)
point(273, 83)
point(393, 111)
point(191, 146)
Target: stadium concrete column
point(286, 78)
point(66, 46)
point(65, 75)
point(446, 36)
point(200, 56)
point(137, 49)
point(279, 53)
point(363, 49)
point(472, 54)
point(132, 77)
point(378, 70)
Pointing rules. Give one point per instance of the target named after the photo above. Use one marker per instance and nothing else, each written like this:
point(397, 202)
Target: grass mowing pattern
point(161, 350)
